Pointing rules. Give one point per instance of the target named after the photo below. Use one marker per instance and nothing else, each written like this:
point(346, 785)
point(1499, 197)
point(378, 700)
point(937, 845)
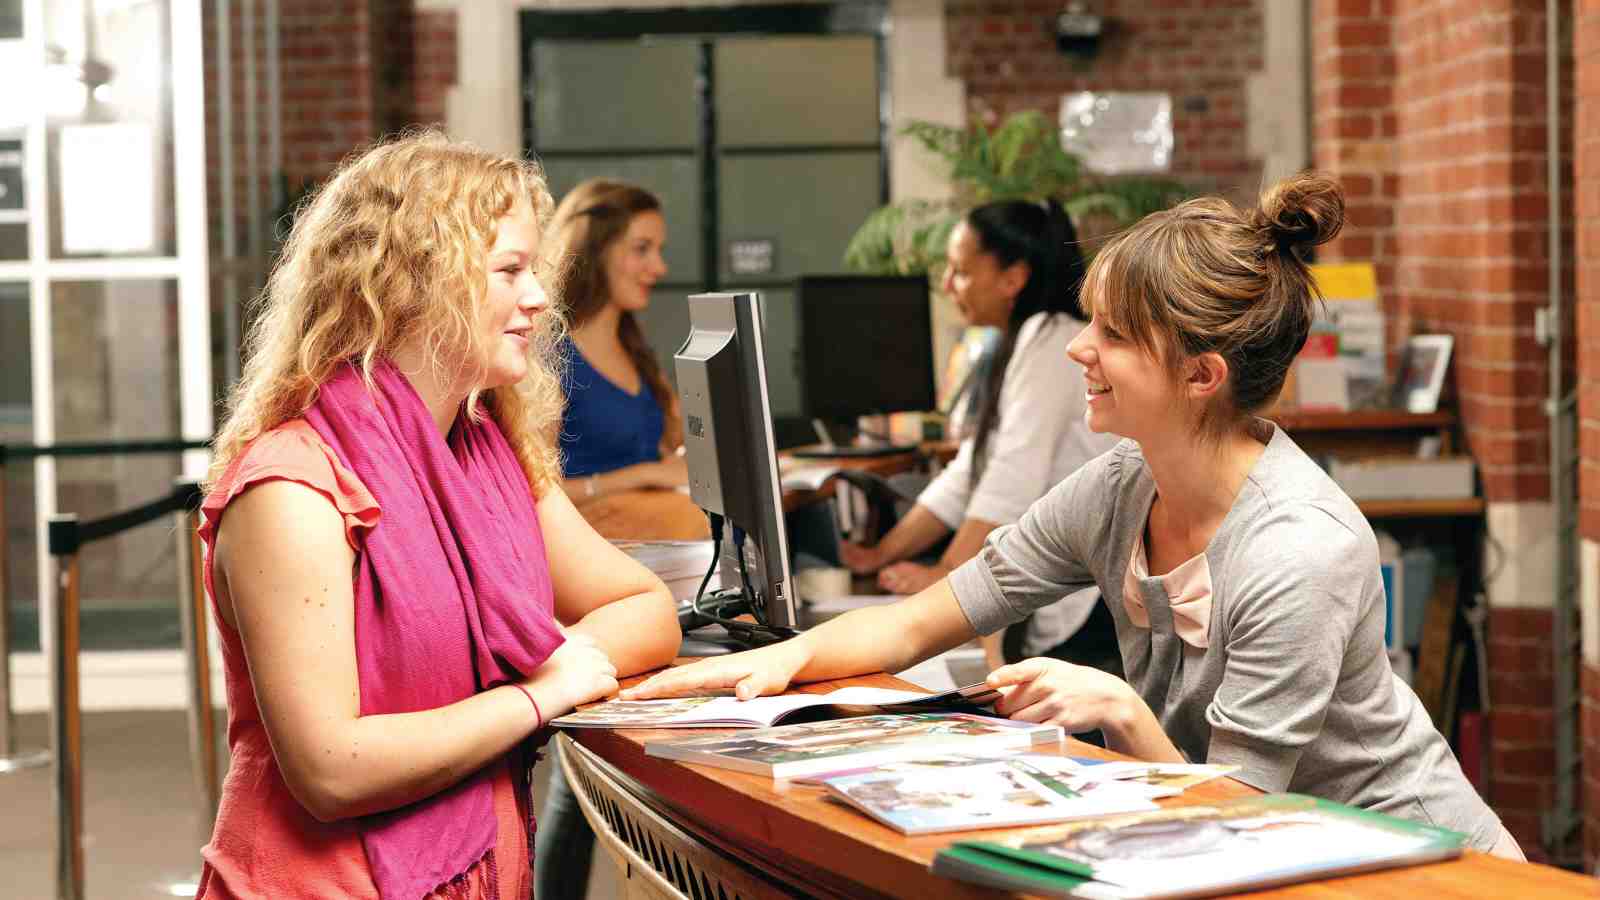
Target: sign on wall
point(752, 256)
point(1118, 131)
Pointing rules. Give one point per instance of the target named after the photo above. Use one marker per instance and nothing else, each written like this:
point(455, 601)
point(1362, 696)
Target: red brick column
point(329, 86)
point(1471, 218)
point(1522, 753)
point(1433, 113)
point(1472, 260)
point(1353, 126)
point(1586, 176)
point(434, 56)
point(1591, 765)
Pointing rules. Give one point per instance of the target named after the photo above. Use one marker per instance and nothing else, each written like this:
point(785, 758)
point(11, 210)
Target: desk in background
point(750, 836)
point(658, 515)
point(1380, 432)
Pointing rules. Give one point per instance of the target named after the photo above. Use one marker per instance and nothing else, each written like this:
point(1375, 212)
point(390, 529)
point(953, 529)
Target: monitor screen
point(733, 466)
point(866, 345)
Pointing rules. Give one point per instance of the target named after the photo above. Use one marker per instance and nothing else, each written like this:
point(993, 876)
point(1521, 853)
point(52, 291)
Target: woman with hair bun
point(1244, 584)
point(405, 596)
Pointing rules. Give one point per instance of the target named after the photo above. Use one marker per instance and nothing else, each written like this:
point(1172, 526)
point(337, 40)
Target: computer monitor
point(733, 466)
point(866, 345)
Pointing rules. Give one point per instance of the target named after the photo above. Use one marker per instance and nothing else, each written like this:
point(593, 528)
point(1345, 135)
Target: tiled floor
point(143, 828)
point(142, 825)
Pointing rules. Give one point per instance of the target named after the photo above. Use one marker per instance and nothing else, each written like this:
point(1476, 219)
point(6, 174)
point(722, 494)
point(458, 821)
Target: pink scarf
point(452, 597)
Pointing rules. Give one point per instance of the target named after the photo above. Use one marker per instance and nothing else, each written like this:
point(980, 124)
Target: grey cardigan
point(1295, 687)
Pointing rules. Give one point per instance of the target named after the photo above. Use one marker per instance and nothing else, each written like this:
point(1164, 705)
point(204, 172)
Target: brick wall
point(1586, 162)
point(330, 102)
point(352, 71)
point(1522, 732)
point(1471, 260)
point(1353, 127)
point(1432, 114)
point(1586, 176)
point(434, 56)
point(1471, 218)
point(1200, 53)
point(1590, 730)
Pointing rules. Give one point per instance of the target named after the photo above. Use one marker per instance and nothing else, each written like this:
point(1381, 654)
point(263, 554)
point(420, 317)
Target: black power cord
point(744, 576)
point(725, 604)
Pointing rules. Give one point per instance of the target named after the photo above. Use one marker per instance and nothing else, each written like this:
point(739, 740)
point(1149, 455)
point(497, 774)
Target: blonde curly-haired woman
point(405, 595)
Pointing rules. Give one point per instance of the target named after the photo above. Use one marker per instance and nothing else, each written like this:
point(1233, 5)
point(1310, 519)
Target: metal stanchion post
point(66, 715)
point(10, 759)
point(197, 652)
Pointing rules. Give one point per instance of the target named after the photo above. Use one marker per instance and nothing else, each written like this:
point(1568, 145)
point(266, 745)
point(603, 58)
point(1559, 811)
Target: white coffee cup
point(822, 582)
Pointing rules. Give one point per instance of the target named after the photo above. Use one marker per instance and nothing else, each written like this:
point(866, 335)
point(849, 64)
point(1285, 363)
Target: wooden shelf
point(1417, 509)
point(1356, 420)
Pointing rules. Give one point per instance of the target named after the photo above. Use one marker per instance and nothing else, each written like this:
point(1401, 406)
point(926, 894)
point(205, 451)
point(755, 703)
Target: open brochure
point(1158, 779)
point(956, 793)
point(790, 751)
point(730, 712)
point(1199, 851)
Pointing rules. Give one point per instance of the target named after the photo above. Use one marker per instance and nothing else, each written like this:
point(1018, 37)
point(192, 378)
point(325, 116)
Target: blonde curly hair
point(393, 249)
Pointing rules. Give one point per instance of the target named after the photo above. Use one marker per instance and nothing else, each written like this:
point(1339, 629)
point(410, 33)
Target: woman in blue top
point(621, 429)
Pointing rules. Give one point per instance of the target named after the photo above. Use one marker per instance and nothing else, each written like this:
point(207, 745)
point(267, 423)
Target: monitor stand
point(709, 640)
point(705, 636)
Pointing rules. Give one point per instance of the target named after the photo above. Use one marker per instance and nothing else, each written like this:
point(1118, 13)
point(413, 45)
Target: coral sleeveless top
point(266, 845)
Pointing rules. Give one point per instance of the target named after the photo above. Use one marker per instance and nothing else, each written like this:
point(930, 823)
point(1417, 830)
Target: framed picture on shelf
point(1427, 357)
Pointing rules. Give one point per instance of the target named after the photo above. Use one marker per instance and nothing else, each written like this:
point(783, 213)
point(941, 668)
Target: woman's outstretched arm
point(875, 639)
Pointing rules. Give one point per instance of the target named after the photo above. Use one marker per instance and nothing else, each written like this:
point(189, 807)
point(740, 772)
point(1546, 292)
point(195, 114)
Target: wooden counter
point(788, 834)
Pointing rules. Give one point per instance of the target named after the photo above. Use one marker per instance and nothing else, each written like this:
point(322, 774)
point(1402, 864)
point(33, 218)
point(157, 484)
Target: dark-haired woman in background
point(621, 430)
point(1016, 266)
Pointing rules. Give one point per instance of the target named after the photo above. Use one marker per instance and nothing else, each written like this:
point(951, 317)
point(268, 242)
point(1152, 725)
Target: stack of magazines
point(791, 751)
point(1198, 851)
point(915, 762)
point(961, 793)
point(681, 564)
point(921, 764)
point(956, 792)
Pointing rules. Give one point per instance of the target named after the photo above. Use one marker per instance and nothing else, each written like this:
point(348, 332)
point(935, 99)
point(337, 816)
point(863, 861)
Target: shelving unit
point(1380, 432)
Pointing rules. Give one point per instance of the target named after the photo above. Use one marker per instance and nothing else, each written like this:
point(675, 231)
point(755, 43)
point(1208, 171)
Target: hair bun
point(1301, 211)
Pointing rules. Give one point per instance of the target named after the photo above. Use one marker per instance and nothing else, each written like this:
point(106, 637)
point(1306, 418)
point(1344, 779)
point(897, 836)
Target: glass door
point(104, 313)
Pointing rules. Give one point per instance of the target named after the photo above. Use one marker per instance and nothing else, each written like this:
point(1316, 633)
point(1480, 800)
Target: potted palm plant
point(1022, 158)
